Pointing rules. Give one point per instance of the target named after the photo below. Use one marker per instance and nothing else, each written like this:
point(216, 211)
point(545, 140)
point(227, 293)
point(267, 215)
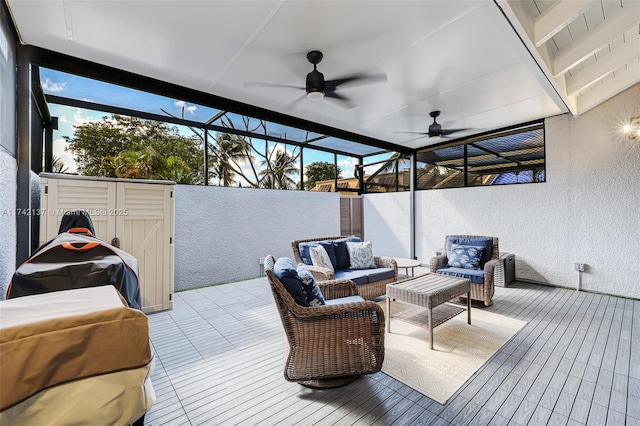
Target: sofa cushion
point(365, 276)
point(342, 254)
point(486, 243)
point(379, 274)
point(348, 299)
point(320, 257)
point(475, 275)
point(359, 277)
point(361, 255)
point(331, 251)
point(462, 256)
point(303, 248)
point(285, 271)
point(310, 286)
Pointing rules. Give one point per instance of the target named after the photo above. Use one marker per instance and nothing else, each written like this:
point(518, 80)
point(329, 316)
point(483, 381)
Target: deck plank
point(220, 357)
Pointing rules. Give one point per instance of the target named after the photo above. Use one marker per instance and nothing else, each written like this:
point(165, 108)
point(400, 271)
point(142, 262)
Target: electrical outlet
point(580, 267)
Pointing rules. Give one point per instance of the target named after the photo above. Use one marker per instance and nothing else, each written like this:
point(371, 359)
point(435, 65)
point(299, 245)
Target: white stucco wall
point(387, 223)
point(221, 233)
point(588, 211)
point(8, 171)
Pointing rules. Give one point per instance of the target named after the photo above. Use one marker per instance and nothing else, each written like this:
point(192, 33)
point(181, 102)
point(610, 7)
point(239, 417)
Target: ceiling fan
point(318, 88)
point(435, 129)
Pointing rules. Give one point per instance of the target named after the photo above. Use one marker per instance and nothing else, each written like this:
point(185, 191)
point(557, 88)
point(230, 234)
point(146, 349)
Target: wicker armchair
point(484, 290)
point(368, 291)
point(330, 345)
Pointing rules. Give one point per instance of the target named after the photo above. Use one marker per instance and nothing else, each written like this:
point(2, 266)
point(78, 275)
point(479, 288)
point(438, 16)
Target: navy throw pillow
point(330, 248)
point(285, 271)
point(342, 255)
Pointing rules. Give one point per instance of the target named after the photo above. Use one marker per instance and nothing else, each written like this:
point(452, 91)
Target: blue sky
point(71, 86)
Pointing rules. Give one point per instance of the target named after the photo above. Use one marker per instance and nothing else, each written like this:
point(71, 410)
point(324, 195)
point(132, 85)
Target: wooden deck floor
point(220, 359)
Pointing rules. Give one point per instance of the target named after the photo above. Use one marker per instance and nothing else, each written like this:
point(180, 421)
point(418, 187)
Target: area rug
point(459, 351)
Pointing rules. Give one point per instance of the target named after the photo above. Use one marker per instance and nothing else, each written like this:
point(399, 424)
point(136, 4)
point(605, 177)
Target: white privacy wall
point(8, 171)
point(587, 211)
point(387, 223)
point(221, 233)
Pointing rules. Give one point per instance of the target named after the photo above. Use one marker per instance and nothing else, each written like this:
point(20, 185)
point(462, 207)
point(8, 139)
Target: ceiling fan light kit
point(317, 88)
point(315, 95)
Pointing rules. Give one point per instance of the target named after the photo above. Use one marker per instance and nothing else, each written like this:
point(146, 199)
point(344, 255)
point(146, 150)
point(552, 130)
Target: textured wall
point(8, 170)
point(221, 233)
point(387, 223)
point(588, 211)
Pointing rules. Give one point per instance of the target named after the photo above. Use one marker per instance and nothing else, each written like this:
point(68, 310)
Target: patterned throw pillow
point(310, 286)
point(467, 257)
point(361, 255)
point(319, 257)
point(269, 262)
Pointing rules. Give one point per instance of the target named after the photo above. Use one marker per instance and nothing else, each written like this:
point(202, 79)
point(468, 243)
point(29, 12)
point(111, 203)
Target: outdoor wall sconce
point(632, 129)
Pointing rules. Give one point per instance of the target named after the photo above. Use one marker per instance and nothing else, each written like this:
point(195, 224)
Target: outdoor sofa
point(371, 282)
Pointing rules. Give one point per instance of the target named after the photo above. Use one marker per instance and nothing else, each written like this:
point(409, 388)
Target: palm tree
point(58, 166)
point(229, 150)
point(277, 172)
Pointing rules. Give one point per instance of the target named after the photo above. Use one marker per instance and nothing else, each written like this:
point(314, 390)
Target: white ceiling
point(484, 64)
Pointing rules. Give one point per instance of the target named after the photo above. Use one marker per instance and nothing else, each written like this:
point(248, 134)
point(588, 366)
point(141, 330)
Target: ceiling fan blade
point(345, 102)
point(259, 84)
point(360, 78)
point(424, 135)
point(449, 131)
point(296, 104)
point(414, 133)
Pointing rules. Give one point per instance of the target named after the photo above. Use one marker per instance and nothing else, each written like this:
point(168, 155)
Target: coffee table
point(428, 291)
point(406, 264)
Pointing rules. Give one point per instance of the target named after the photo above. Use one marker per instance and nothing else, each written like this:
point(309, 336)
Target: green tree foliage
point(319, 171)
point(278, 170)
point(120, 146)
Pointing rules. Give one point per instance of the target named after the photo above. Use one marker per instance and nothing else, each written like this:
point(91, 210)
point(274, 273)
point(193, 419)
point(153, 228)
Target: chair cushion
point(285, 271)
point(476, 276)
point(467, 257)
point(310, 286)
point(361, 255)
point(320, 257)
point(342, 254)
point(348, 299)
point(486, 243)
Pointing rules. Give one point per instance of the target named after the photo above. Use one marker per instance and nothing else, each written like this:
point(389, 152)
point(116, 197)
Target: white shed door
point(144, 225)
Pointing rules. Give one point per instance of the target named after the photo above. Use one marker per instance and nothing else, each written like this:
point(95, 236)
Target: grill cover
point(73, 260)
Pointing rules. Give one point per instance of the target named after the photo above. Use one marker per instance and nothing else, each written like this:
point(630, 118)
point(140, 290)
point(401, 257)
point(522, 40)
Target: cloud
point(79, 119)
point(49, 86)
point(347, 165)
point(183, 105)
point(60, 151)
